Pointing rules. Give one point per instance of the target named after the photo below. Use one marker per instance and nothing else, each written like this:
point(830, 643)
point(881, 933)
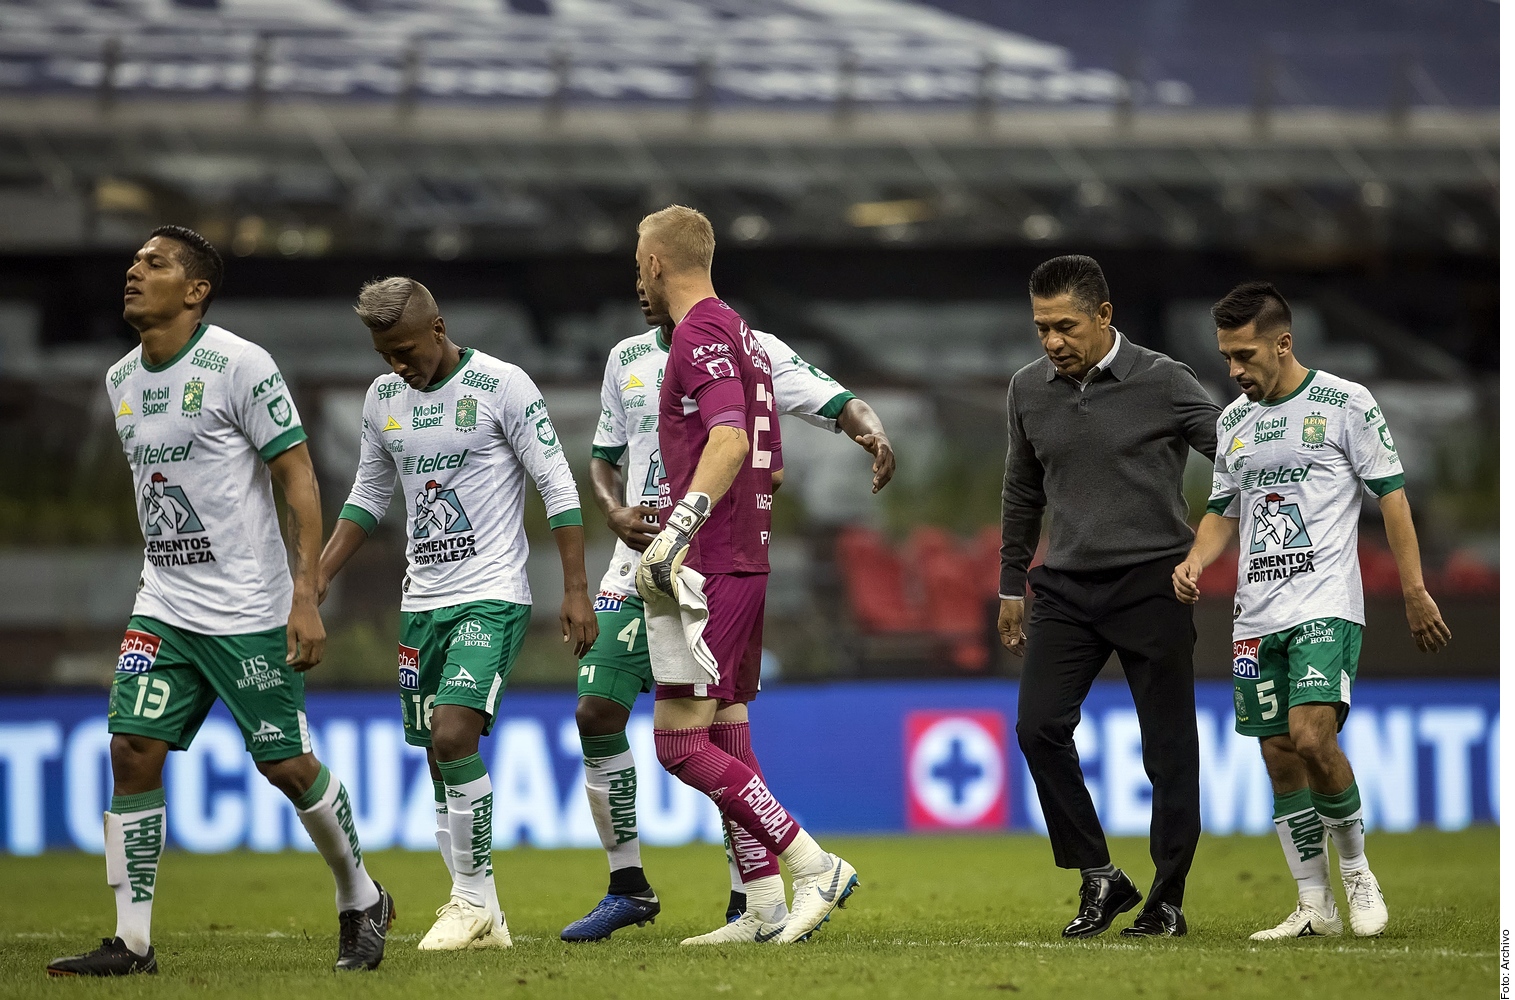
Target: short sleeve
point(261, 405)
point(1224, 490)
point(802, 389)
point(1370, 447)
point(708, 371)
point(610, 436)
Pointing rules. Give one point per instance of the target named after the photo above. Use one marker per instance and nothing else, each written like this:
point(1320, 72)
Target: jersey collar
point(189, 344)
point(1309, 377)
point(463, 360)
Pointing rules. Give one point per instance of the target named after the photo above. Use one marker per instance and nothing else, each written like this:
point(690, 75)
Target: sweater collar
point(1118, 362)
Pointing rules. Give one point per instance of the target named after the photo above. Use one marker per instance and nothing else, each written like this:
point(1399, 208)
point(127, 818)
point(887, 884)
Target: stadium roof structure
point(477, 127)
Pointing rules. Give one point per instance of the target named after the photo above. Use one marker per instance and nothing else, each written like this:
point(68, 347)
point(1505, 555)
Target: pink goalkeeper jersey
point(717, 374)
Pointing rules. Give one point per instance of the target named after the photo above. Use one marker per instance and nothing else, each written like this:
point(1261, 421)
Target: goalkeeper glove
point(658, 572)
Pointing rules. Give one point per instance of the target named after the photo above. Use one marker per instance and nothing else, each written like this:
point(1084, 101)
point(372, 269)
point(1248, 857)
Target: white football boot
point(815, 897)
point(1316, 918)
point(459, 924)
point(498, 935)
point(1366, 910)
point(749, 928)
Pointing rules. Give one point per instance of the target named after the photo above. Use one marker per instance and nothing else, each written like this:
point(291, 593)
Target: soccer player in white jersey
point(462, 431)
point(207, 425)
point(1295, 452)
point(619, 668)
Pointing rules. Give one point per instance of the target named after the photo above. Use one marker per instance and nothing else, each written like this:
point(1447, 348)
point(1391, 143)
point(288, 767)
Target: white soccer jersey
point(1293, 472)
point(198, 432)
point(628, 430)
point(462, 450)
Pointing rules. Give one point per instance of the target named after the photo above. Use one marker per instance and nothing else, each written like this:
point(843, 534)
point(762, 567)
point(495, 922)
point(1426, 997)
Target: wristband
point(690, 513)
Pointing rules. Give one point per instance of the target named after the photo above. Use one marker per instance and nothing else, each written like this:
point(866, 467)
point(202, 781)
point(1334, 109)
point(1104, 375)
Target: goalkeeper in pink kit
point(719, 440)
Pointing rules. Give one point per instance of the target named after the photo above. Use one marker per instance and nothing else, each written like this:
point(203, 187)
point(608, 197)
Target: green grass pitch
point(963, 916)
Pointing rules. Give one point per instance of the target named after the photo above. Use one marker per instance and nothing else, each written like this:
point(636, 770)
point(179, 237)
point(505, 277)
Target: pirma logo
point(267, 732)
point(139, 650)
point(1244, 662)
point(955, 771)
point(461, 679)
point(410, 668)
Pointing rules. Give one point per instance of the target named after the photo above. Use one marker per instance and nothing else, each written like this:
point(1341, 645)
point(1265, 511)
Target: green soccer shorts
point(460, 655)
point(167, 679)
point(618, 666)
point(1311, 663)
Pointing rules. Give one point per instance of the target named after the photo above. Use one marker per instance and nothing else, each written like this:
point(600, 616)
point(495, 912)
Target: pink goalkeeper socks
point(740, 794)
point(753, 859)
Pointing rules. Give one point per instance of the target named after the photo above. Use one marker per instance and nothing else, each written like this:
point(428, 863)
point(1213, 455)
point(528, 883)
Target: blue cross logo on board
point(955, 770)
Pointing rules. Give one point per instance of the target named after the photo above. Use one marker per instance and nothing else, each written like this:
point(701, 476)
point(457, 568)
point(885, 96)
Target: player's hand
point(1010, 620)
point(1426, 626)
point(580, 626)
point(305, 638)
point(1186, 580)
point(882, 451)
point(631, 525)
point(658, 572)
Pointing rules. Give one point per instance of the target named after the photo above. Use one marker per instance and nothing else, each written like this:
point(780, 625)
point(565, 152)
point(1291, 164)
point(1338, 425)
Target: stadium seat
point(955, 603)
point(874, 581)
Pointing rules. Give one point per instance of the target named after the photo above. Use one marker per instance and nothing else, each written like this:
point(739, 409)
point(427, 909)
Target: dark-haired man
point(461, 432)
point(1100, 430)
point(207, 423)
point(1298, 446)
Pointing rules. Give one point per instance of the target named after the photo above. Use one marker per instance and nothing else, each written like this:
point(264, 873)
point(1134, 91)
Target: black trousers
point(1077, 620)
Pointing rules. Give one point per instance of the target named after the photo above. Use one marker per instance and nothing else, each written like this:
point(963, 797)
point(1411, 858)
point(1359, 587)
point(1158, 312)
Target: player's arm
point(1426, 625)
point(306, 636)
point(722, 407)
point(1370, 449)
point(1022, 500)
point(860, 423)
point(805, 391)
point(372, 489)
point(541, 453)
point(1215, 534)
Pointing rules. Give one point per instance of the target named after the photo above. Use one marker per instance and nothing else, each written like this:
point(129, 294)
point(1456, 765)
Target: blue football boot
point(610, 915)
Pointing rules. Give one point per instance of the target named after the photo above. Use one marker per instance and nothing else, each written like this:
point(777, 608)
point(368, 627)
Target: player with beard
point(1296, 449)
point(619, 667)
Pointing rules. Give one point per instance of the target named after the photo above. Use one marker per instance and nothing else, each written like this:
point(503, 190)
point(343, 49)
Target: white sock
point(444, 844)
point(611, 784)
point(444, 833)
point(804, 856)
point(470, 820)
point(1342, 816)
point(1304, 843)
point(134, 834)
point(765, 898)
point(326, 813)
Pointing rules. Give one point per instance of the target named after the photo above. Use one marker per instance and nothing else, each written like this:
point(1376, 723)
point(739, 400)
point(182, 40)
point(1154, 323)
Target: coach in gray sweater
point(1100, 431)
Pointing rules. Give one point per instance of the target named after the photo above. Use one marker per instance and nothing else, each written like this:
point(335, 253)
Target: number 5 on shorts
point(1267, 700)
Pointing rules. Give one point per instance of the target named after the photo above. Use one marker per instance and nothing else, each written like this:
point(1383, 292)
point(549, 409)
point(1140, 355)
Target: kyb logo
point(268, 385)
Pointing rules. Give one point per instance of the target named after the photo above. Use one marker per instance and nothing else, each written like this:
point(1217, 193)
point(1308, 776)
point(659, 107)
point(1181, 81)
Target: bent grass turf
point(970, 916)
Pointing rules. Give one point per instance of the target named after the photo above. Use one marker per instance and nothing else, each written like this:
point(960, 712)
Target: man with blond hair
point(719, 443)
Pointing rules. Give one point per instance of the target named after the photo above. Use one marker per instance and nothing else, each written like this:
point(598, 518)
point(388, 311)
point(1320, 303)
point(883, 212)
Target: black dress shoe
point(1101, 900)
point(1162, 920)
